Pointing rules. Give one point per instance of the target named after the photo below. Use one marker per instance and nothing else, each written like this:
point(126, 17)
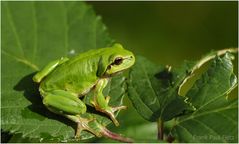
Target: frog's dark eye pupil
point(118, 61)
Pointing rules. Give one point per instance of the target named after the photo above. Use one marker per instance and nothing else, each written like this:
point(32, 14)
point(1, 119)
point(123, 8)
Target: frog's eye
point(118, 61)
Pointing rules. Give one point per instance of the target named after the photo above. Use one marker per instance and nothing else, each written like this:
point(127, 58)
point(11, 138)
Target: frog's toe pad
point(114, 109)
point(83, 124)
point(110, 112)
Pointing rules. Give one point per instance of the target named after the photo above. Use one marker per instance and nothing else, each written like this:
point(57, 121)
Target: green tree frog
point(63, 81)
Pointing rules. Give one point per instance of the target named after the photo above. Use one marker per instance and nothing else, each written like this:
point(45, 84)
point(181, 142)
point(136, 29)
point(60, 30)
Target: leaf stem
point(105, 132)
point(160, 129)
point(170, 138)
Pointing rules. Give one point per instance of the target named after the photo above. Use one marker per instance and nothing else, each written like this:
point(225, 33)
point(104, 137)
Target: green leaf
point(153, 90)
point(200, 67)
point(215, 118)
point(33, 34)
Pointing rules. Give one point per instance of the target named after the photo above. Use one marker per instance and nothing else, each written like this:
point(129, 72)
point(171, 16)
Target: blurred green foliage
point(170, 32)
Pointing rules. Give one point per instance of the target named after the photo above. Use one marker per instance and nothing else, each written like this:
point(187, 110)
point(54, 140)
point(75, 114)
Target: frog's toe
point(83, 124)
point(118, 108)
point(93, 103)
point(110, 112)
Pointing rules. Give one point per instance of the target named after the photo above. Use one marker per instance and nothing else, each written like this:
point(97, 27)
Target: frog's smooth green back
point(79, 74)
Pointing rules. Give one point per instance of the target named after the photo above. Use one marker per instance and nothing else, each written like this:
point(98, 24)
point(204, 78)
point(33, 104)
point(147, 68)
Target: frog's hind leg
point(70, 106)
point(48, 68)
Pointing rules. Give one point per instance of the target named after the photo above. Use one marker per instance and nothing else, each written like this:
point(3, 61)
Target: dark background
point(170, 32)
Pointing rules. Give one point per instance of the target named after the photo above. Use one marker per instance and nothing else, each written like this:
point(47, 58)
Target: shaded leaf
point(215, 118)
point(153, 90)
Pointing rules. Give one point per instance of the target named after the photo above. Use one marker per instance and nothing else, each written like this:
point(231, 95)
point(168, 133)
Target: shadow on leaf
point(166, 77)
point(32, 94)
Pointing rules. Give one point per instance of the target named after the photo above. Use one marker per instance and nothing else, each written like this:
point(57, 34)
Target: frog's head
point(117, 60)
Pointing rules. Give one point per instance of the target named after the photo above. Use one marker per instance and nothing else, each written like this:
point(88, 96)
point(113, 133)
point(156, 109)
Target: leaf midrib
point(22, 60)
point(207, 112)
point(14, 30)
point(209, 128)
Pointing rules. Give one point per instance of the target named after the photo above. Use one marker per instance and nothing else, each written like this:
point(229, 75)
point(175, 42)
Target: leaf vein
point(147, 79)
point(32, 130)
point(208, 112)
point(233, 121)
point(22, 60)
point(142, 100)
point(186, 130)
point(209, 128)
point(36, 31)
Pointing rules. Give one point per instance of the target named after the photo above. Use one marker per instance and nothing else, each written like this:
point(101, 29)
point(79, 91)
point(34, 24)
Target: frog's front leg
point(102, 104)
point(48, 68)
point(70, 106)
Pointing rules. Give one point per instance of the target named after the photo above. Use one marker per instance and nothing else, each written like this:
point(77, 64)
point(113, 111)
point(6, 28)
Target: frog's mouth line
point(111, 75)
